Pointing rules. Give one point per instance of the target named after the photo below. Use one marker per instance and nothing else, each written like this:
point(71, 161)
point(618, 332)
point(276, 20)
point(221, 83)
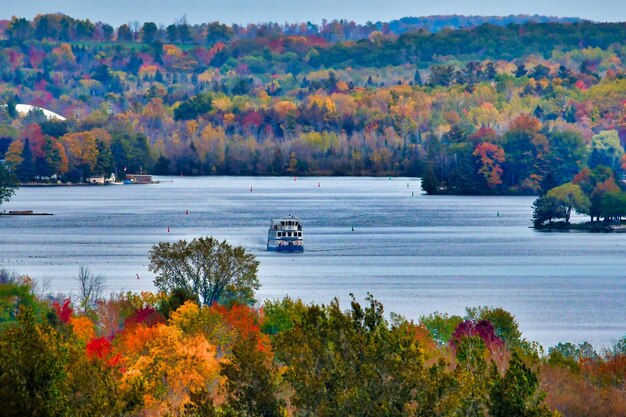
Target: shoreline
point(590, 227)
point(49, 184)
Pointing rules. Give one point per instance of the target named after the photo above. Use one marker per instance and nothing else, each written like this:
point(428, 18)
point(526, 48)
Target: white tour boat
point(285, 235)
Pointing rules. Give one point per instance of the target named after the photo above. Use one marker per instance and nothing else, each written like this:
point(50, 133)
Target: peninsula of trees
point(502, 106)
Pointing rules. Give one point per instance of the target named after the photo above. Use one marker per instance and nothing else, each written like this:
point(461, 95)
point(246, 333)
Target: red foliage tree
point(147, 315)
point(246, 323)
point(102, 349)
point(64, 312)
point(483, 329)
point(490, 157)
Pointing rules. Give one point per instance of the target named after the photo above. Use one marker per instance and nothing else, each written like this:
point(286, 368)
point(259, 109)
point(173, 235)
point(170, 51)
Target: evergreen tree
point(565, 74)
point(430, 182)
point(162, 166)
point(442, 75)
point(516, 394)
point(26, 172)
point(547, 209)
point(417, 79)
point(11, 110)
point(521, 70)
point(104, 163)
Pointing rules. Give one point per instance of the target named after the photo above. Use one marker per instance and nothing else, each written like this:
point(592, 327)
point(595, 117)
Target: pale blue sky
point(117, 12)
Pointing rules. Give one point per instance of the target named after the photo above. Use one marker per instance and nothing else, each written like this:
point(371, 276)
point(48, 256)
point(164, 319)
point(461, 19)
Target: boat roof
point(286, 218)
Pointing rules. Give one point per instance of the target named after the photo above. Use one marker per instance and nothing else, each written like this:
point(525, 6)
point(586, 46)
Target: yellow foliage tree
point(13, 157)
point(169, 368)
point(193, 319)
point(83, 328)
point(284, 107)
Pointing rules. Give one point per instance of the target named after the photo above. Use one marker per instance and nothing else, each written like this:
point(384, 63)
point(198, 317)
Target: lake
point(415, 253)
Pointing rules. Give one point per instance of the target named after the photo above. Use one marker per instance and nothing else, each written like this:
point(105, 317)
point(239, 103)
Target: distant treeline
point(485, 41)
point(60, 27)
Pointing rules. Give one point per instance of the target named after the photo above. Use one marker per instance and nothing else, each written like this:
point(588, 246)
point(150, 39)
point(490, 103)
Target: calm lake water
point(417, 254)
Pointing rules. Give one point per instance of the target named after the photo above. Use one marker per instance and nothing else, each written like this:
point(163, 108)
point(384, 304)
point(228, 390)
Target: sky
point(116, 12)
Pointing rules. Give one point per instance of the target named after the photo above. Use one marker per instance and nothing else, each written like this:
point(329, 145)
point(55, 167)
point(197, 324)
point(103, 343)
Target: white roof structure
point(24, 109)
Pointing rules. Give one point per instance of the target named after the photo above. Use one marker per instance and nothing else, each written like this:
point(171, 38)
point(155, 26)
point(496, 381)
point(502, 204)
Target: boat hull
point(285, 246)
point(287, 249)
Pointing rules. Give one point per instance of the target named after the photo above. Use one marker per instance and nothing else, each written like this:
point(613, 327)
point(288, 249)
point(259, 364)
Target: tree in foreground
point(504, 324)
point(517, 394)
point(8, 184)
point(33, 369)
point(90, 287)
point(215, 271)
point(352, 363)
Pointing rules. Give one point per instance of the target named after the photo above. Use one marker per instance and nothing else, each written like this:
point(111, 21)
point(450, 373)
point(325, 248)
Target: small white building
point(95, 180)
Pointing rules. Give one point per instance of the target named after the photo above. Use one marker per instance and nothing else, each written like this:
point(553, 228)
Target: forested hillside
point(509, 108)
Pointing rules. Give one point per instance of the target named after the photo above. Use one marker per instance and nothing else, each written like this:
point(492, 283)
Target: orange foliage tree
point(491, 157)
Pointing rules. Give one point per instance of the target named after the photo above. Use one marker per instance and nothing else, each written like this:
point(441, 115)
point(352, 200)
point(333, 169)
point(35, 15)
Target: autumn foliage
point(518, 116)
point(63, 311)
point(281, 359)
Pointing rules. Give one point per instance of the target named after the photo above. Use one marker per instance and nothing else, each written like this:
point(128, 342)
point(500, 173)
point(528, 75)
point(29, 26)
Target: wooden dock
point(24, 213)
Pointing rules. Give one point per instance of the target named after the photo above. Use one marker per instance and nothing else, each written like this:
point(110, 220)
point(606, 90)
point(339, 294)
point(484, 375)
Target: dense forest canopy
point(504, 106)
point(167, 354)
